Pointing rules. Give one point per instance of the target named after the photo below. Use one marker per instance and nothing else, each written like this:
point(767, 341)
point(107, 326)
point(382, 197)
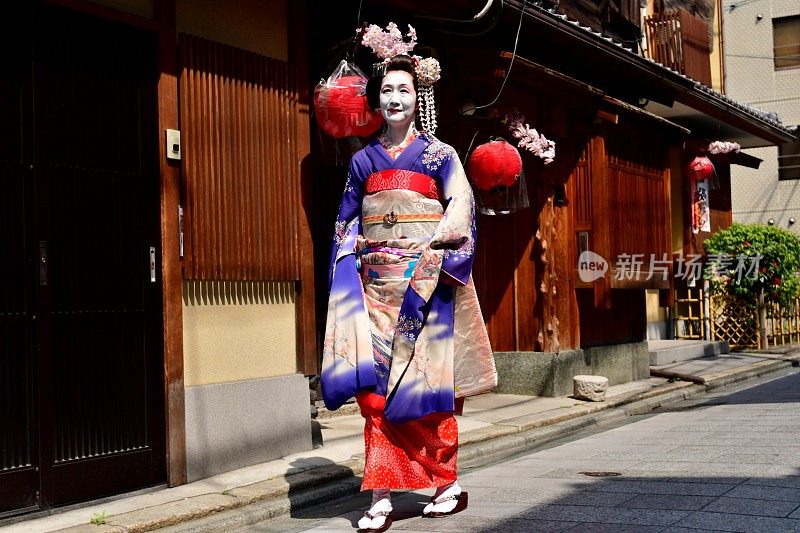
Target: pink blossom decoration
point(723, 147)
point(531, 140)
point(389, 43)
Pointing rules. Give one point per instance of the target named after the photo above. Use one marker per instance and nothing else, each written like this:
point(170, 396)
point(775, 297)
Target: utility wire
point(733, 5)
point(511, 63)
point(787, 56)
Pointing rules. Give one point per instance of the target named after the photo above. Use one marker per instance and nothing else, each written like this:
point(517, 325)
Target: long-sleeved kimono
point(404, 330)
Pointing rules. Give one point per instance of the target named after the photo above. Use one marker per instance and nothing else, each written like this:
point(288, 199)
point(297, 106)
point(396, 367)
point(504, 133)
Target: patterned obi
point(402, 179)
point(384, 262)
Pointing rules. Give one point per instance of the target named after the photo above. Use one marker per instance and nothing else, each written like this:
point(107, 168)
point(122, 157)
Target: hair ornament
point(428, 70)
point(389, 43)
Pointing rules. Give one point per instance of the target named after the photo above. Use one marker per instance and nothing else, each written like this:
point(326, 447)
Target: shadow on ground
point(727, 462)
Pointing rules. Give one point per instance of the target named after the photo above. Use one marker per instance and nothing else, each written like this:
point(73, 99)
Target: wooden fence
point(748, 325)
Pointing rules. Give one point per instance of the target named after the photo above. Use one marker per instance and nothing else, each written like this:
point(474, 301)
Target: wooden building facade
point(157, 296)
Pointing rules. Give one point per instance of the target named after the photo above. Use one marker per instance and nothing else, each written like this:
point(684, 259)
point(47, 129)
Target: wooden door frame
point(172, 276)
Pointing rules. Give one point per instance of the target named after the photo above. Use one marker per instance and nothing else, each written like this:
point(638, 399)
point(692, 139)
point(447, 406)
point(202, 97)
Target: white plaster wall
point(235, 331)
point(758, 195)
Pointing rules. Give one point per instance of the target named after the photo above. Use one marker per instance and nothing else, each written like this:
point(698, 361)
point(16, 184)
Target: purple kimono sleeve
point(345, 229)
point(347, 364)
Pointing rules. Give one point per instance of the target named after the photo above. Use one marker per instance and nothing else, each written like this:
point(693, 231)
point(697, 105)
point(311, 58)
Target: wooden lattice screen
point(689, 315)
point(783, 323)
point(241, 186)
point(735, 321)
point(680, 41)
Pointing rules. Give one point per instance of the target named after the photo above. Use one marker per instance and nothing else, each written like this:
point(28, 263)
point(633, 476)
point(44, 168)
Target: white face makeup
point(398, 98)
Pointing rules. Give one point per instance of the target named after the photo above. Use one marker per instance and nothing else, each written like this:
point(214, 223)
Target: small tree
point(751, 260)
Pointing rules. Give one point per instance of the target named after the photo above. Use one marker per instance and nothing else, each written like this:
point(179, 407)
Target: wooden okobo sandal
point(372, 516)
point(461, 498)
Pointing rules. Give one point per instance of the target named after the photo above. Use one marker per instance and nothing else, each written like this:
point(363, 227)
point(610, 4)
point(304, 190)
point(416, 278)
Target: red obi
point(402, 179)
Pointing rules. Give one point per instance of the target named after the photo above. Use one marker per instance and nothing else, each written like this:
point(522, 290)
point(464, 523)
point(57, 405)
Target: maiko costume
point(404, 330)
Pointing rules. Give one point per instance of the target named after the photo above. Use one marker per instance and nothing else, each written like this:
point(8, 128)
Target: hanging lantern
point(494, 164)
point(701, 168)
point(341, 106)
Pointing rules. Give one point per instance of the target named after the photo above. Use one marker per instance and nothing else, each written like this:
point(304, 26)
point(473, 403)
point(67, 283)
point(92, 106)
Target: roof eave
point(715, 107)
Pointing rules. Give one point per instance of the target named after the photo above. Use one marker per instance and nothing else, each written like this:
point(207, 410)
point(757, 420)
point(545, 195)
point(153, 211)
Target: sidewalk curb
point(734, 375)
point(279, 496)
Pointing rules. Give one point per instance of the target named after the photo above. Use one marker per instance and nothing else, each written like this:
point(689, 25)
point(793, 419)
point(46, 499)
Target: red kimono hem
point(415, 455)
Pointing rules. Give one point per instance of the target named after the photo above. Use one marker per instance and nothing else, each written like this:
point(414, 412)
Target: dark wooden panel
point(19, 459)
point(97, 208)
point(639, 219)
point(89, 477)
point(720, 199)
point(17, 490)
point(494, 273)
point(624, 321)
point(583, 194)
point(17, 414)
point(525, 289)
point(601, 240)
point(95, 412)
point(696, 47)
point(240, 170)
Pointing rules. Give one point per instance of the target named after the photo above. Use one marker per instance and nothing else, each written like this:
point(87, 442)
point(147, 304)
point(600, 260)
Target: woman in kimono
point(404, 331)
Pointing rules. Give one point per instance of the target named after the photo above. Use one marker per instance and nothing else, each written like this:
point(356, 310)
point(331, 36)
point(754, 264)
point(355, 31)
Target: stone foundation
point(550, 374)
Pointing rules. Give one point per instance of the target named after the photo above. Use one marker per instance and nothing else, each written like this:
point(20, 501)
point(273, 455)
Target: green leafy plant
point(750, 260)
point(100, 518)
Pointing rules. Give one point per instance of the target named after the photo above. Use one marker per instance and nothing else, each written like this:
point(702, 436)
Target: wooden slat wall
point(583, 193)
point(639, 221)
point(240, 170)
point(696, 48)
point(504, 275)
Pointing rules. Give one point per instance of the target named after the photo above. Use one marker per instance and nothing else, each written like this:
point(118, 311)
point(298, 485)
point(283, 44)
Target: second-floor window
point(786, 41)
point(789, 161)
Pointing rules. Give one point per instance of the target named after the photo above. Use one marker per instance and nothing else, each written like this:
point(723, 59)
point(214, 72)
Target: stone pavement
point(492, 424)
point(726, 461)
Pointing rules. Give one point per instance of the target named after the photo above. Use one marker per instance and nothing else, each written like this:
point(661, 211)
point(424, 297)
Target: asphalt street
point(727, 461)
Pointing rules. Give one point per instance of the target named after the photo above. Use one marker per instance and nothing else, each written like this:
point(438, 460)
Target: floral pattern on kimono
point(417, 376)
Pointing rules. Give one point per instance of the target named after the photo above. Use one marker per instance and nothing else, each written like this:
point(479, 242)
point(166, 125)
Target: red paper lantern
point(342, 109)
point(701, 168)
point(494, 164)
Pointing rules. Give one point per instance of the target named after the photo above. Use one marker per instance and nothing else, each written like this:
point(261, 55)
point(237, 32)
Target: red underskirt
point(414, 455)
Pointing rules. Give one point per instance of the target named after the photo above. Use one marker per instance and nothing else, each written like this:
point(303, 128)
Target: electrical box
point(173, 144)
